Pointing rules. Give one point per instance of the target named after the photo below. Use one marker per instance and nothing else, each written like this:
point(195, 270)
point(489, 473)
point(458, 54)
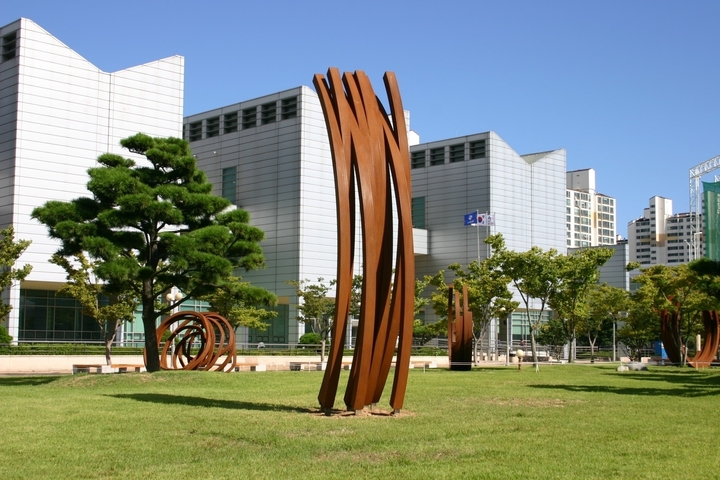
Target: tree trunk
point(533, 346)
point(322, 351)
point(109, 335)
point(152, 354)
point(592, 351)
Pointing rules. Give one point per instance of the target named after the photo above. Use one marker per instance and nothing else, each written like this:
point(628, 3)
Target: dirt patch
point(531, 402)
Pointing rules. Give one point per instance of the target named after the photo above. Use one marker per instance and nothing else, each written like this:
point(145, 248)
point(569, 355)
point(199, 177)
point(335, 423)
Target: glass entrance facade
point(46, 316)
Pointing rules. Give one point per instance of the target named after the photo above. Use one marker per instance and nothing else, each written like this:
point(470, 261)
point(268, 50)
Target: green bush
point(4, 336)
point(65, 349)
point(310, 338)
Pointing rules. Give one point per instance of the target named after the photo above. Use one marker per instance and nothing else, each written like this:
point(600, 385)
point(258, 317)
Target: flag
point(476, 219)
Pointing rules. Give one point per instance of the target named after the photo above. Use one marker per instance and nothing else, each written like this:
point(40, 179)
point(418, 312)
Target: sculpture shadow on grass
point(189, 401)
point(693, 391)
point(26, 381)
point(688, 378)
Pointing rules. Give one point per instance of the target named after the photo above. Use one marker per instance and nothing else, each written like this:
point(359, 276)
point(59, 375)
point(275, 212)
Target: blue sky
point(629, 88)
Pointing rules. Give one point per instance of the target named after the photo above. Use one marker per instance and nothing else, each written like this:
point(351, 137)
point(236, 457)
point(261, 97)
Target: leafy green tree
point(316, 309)
point(576, 273)
point(641, 325)
point(605, 304)
point(424, 332)
point(708, 272)
point(153, 226)
point(678, 290)
point(535, 274)
point(553, 334)
point(10, 251)
point(84, 286)
point(243, 304)
point(488, 295)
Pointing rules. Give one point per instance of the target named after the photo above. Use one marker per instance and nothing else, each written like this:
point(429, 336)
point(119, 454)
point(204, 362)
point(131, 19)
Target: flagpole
point(477, 232)
point(487, 234)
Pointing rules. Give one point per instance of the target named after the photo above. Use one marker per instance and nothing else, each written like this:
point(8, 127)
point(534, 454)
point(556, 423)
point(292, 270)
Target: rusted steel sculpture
point(460, 324)
point(201, 341)
point(370, 152)
point(670, 333)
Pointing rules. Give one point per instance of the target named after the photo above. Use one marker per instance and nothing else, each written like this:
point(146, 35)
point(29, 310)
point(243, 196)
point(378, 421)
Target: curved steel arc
point(197, 341)
point(370, 153)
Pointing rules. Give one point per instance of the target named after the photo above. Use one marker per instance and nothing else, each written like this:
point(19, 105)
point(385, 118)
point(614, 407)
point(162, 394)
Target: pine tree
point(154, 226)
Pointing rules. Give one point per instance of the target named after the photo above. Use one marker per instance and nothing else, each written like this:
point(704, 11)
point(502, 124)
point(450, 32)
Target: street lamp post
point(614, 344)
point(508, 335)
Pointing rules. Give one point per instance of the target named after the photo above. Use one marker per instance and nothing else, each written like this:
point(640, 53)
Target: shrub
point(310, 338)
point(4, 336)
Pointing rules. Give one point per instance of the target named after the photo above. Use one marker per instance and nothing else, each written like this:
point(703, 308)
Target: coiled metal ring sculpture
point(197, 341)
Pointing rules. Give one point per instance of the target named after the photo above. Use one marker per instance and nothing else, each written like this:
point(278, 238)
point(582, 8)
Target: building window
point(288, 108)
point(9, 46)
point(47, 316)
point(477, 149)
point(195, 131)
point(418, 212)
point(212, 127)
point(268, 112)
point(437, 156)
point(249, 117)
point(229, 192)
point(230, 122)
point(417, 159)
point(457, 153)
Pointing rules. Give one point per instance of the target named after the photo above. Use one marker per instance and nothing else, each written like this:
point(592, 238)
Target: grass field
point(571, 421)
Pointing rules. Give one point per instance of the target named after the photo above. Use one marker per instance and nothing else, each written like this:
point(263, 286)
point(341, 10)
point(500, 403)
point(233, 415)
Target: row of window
point(453, 153)
point(264, 114)
point(582, 196)
point(9, 46)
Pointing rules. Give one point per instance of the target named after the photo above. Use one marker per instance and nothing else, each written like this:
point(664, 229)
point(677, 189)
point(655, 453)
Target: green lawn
point(570, 421)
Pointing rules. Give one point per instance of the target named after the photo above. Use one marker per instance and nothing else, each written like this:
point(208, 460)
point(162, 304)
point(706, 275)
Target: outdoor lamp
point(174, 297)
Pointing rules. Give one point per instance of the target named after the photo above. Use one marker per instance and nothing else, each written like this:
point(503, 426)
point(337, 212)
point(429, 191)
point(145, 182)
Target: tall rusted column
point(370, 153)
point(704, 357)
point(460, 323)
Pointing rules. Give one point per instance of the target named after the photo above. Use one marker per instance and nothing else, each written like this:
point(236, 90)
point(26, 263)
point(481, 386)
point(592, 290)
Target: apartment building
point(589, 215)
point(661, 237)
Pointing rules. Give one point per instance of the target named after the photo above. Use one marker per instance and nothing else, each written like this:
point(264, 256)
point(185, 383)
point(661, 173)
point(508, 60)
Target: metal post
point(508, 326)
point(477, 234)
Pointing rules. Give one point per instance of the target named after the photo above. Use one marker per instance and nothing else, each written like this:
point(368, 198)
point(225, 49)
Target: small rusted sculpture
point(460, 324)
point(371, 155)
point(197, 341)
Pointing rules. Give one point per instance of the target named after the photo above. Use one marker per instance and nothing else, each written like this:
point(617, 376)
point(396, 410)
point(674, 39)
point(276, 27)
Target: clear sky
point(629, 88)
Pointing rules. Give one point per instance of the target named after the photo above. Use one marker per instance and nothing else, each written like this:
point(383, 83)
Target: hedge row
point(90, 349)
